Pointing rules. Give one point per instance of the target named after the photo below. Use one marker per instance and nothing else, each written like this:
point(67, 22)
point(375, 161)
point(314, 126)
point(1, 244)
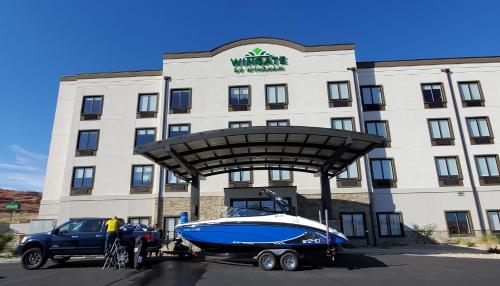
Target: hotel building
point(439, 164)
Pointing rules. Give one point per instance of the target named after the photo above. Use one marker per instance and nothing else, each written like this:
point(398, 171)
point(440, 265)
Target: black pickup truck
point(77, 237)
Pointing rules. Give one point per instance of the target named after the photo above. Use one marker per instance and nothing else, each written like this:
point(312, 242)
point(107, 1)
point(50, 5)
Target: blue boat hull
point(252, 237)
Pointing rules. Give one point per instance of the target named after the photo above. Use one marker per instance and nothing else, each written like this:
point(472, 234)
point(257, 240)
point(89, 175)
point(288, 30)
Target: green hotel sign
point(258, 60)
point(12, 206)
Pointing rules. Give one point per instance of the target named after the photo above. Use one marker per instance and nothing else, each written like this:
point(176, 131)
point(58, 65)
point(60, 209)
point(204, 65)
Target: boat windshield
point(242, 212)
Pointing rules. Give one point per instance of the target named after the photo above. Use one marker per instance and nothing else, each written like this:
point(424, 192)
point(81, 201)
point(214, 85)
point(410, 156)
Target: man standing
point(112, 226)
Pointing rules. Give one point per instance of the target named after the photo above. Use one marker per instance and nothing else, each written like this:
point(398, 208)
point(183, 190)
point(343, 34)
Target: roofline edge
point(423, 62)
point(260, 40)
point(111, 75)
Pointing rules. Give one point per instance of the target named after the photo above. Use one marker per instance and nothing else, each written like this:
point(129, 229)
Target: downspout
point(365, 158)
point(164, 125)
point(466, 152)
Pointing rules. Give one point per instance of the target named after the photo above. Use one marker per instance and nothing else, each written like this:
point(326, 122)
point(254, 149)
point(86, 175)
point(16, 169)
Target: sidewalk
point(429, 250)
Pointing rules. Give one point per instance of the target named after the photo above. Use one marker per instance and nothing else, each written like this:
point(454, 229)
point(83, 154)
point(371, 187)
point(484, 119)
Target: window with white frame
point(83, 177)
point(239, 95)
point(447, 167)
point(142, 175)
point(494, 219)
point(276, 94)
point(440, 129)
point(382, 169)
point(372, 95)
point(378, 128)
point(390, 224)
point(278, 123)
point(240, 176)
point(342, 124)
point(353, 225)
point(487, 165)
point(432, 92)
point(478, 127)
point(174, 179)
point(458, 223)
point(147, 102)
point(350, 172)
point(338, 91)
point(470, 91)
point(240, 124)
point(280, 175)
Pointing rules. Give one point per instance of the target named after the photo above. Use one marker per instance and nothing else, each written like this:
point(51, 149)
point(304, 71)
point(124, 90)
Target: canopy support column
point(326, 195)
point(195, 198)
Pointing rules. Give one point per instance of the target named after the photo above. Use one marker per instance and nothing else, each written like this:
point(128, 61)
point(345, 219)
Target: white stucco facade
point(417, 194)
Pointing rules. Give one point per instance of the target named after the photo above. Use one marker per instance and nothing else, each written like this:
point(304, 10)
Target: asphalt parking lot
point(349, 269)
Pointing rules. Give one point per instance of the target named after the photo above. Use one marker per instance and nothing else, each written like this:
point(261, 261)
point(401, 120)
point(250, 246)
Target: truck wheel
point(60, 259)
point(289, 261)
point(267, 261)
point(33, 258)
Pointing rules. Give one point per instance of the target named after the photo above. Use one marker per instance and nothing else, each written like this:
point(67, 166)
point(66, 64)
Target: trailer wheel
point(267, 261)
point(289, 261)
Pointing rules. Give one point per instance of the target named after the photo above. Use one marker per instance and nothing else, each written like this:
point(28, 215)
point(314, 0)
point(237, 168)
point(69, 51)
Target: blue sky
point(41, 40)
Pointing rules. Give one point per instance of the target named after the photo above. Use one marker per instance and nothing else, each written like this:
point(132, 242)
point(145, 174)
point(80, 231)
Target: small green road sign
point(12, 206)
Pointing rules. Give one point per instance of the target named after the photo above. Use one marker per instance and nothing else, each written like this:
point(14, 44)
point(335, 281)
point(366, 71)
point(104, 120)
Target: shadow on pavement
point(348, 261)
point(149, 263)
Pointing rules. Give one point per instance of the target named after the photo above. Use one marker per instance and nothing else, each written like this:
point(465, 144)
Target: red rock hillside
point(30, 203)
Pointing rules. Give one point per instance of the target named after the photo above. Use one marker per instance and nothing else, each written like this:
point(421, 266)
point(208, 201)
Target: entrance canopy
point(322, 151)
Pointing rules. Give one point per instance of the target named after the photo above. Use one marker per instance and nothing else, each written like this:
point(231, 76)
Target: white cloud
point(26, 172)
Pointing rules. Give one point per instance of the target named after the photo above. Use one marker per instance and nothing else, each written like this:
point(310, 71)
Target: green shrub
point(424, 232)
point(5, 238)
point(471, 244)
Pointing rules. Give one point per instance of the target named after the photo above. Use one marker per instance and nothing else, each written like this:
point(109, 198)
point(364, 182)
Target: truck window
point(93, 226)
point(72, 226)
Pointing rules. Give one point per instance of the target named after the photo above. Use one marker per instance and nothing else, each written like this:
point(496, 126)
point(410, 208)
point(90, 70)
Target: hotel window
point(458, 223)
point(87, 142)
point(239, 98)
point(383, 173)
point(373, 98)
point(174, 179)
point(390, 224)
point(240, 124)
point(258, 204)
point(339, 94)
point(280, 177)
point(349, 176)
point(91, 108)
point(342, 124)
point(353, 225)
point(433, 95)
point(169, 224)
point(448, 170)
point(144, 136)
point(180, 100)
point(479, 130)
point(178, 130)
point(140, 220)
point(240, 178)
point(147, 105)
point(142, 179)
point(487, 167)
point(494, 219)
point(174, 183)
point(276, 96)
point(379, 128)
point(471, 93)
point(278, 123)
point(83, 181)
point(440, 131)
